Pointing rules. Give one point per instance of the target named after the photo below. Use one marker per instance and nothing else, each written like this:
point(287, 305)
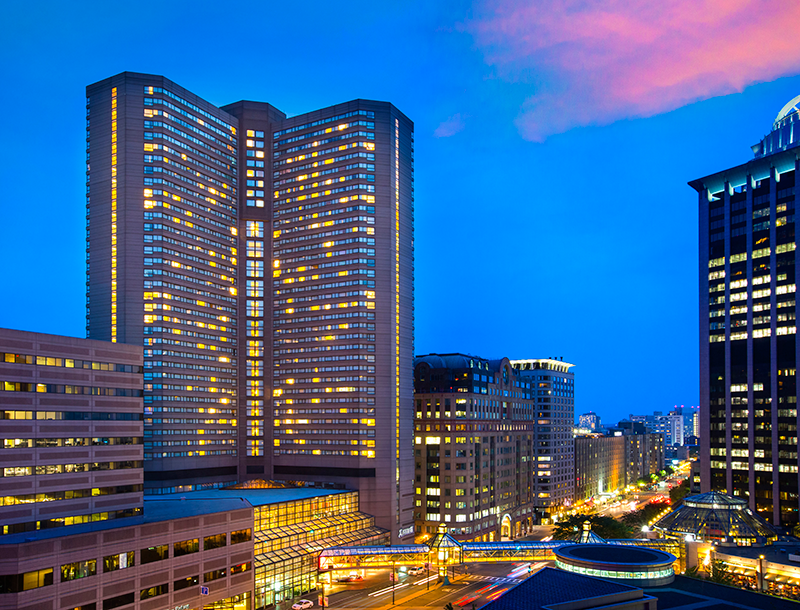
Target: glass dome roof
point(716, 516)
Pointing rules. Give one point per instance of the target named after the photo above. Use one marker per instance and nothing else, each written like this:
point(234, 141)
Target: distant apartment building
point(604, 464)
point(671, 426)
point(265, 264)
point(555, 415)
point(475, 462)
point(690, 418)
point(644, 455)
point(589, 420)
point(600, 465)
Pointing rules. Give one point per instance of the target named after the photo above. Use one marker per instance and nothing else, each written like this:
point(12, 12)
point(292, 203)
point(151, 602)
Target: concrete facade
point(71, 424)
point(474, 434)
point(137, 566)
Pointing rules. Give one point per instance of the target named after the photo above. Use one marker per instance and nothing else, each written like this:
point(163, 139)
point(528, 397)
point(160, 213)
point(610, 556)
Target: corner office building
point(748, 347)
point(491, 461)
point(190, 209)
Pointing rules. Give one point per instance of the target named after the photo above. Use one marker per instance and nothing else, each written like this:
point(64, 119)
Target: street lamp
point(324, 603)
point(761, 572)
point(394, 580)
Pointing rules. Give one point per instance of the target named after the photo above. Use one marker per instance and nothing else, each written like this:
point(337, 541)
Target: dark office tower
point(342, 304)
point(748, 347)
point(162, 229)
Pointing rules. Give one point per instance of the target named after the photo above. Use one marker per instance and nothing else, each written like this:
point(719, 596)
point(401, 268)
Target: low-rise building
point(180, 553)
point(475, 429)
point(76, 530)
point(71, 420)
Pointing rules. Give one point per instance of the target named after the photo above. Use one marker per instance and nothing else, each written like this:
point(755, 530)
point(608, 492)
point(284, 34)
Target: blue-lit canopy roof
point(715, 516)
point(788, 109)
point(785, 132)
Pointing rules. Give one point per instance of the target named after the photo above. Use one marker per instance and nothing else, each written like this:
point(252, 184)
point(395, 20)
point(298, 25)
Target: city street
point(477, 585)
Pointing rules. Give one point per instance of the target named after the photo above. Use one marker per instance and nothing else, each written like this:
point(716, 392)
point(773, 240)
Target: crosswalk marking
point(476, 577)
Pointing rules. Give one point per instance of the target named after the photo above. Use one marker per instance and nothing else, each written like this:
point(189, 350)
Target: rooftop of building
point(458, 361)
point(61, 345)
point(180, 506)
point(747, 175)
point(253, 496)
point(552, 586)
point(155, 510)
point(777, 552)
point(686, 593)
point(548, 364)
point(615, 554)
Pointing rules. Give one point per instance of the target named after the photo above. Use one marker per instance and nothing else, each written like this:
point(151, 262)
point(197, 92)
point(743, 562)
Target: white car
point(416, 570)
point(302, 604)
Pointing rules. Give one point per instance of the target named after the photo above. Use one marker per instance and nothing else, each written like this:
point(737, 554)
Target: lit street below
point(475, 584)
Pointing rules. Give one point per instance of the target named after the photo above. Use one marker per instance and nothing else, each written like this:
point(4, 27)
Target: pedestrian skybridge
point(445, 551)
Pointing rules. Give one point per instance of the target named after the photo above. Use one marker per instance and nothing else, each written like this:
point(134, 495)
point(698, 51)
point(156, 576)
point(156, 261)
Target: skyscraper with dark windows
point(748, 347)
point(266, 265)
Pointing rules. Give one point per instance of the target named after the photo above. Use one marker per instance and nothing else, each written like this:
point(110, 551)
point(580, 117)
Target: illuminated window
point(215, 542)
point(119, 561)
point(78, 569)
point(255, 309)
point(186, 547)
point(255, 248)
point(255, 228)
point(255, 288)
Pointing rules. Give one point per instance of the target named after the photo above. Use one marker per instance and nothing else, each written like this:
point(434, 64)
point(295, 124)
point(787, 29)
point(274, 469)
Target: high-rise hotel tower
point(748, 347)
point(266, 264)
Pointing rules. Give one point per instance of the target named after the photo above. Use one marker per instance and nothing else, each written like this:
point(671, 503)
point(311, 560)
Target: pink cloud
point(450, 127)
point(592, 62)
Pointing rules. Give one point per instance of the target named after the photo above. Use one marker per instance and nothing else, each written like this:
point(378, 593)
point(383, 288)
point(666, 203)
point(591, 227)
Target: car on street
point(350, 578)
point(416, 570)
point(303, 604)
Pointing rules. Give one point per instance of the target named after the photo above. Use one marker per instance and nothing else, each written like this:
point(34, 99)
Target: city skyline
point(475, 151)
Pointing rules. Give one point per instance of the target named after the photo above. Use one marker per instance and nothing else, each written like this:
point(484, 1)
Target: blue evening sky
point(583, 246)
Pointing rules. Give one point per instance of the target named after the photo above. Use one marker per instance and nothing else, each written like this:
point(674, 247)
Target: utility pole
point(394, 580)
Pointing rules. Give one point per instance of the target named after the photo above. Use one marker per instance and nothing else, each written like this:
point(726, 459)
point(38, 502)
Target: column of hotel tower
point(161, 266)
point(255, 311)
point(343, 304)
point(748, 347)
